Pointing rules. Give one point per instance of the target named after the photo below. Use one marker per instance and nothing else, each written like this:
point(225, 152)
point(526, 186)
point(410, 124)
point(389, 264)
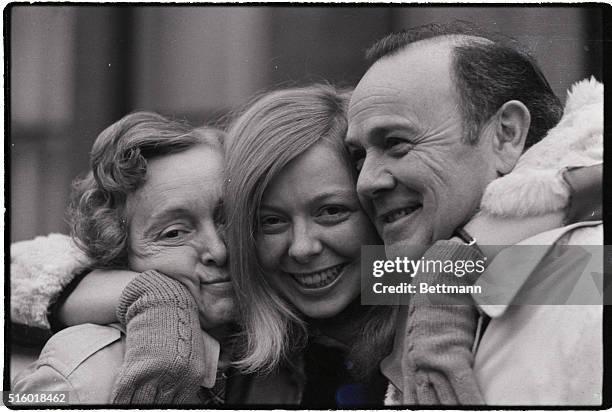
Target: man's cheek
point(367, 207)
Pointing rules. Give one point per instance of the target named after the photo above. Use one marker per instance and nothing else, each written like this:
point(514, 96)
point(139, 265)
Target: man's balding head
point(441, 112)
point(488, 70)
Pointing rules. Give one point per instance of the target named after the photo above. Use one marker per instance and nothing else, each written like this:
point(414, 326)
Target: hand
point(585, 184)
point(585, 204)
point(493, 233)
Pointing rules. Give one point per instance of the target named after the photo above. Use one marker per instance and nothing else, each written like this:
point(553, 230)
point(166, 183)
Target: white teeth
point(319, 279)
point(392, 217)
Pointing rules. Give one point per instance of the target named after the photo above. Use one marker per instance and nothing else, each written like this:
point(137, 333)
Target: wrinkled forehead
point(416, 70)
point(193, 176)
point(410, 81)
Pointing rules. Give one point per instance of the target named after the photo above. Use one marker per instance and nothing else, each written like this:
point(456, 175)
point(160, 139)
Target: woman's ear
point(511, 126)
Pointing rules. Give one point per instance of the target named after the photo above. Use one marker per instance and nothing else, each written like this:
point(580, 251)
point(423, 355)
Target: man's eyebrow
point(384, 125)
point(388, 128)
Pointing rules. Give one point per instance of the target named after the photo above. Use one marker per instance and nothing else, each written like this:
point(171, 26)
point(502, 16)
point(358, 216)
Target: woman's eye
point(173, 233)
point(333, 214)
point(273, 220)
point(272, 224)
point(332, 210)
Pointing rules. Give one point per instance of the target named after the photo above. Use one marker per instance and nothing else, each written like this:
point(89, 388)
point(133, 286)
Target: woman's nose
point(304, 244)
point(214, 251)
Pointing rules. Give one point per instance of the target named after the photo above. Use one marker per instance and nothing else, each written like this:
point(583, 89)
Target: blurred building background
point(76, 69)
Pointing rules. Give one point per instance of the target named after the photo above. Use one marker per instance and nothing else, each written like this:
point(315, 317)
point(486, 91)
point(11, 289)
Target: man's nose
point(213, 249)
point(374, 178)
point(304, 244)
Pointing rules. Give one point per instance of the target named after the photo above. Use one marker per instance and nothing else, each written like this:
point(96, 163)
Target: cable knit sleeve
point(164, 361)
point(437, 337)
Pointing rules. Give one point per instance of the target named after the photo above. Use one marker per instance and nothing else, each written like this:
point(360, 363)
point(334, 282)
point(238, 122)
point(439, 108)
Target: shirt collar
point(512, 267)
point(212, 350)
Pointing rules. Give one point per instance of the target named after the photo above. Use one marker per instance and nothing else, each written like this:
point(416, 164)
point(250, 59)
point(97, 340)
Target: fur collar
point(536, 185)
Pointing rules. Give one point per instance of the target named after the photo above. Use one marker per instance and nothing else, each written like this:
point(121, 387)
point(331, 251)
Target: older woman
point(151, 203)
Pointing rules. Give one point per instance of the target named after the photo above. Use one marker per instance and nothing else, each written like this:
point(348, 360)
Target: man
point(441, 112)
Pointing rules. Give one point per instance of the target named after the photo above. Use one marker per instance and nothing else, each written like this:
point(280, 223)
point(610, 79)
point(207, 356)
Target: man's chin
point(405, 248)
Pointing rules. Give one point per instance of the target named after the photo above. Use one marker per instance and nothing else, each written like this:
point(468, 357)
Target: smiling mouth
point(397, 214)
point(320, 279)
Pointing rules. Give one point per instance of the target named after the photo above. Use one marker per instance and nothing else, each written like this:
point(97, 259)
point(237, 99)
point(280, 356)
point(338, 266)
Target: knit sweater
point(434, 338)
point(164, 362)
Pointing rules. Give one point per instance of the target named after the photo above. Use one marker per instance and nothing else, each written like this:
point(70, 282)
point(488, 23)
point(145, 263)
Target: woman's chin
point(324, 311)
point(217, 313)
point(326, 308)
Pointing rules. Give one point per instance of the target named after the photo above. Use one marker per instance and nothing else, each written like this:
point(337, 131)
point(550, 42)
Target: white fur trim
point(536, 185)
point(40, 269)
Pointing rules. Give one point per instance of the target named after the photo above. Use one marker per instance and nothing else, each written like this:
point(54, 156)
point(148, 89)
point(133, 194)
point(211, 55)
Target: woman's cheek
point(355, 233)
point(366, 231)
point(179, 263)
point(269, 250)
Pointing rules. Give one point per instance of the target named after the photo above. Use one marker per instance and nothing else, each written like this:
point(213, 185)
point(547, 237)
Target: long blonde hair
point(275, 128)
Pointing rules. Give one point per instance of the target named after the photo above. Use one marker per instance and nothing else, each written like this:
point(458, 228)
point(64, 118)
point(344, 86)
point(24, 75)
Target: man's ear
point(510, 127)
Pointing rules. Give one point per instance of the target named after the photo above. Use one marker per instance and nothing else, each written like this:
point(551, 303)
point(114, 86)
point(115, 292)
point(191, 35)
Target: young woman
point(289, 176)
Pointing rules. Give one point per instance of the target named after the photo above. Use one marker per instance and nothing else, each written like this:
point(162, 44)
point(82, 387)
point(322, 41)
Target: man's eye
point(333, 214)
point(397, 145)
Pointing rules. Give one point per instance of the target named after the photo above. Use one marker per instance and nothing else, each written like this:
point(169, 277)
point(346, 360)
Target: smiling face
point(418, 179)
point(311, 231)
point(174, 221)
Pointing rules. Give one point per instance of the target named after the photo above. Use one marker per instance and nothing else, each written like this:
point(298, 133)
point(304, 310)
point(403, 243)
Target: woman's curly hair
point(118, 164)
